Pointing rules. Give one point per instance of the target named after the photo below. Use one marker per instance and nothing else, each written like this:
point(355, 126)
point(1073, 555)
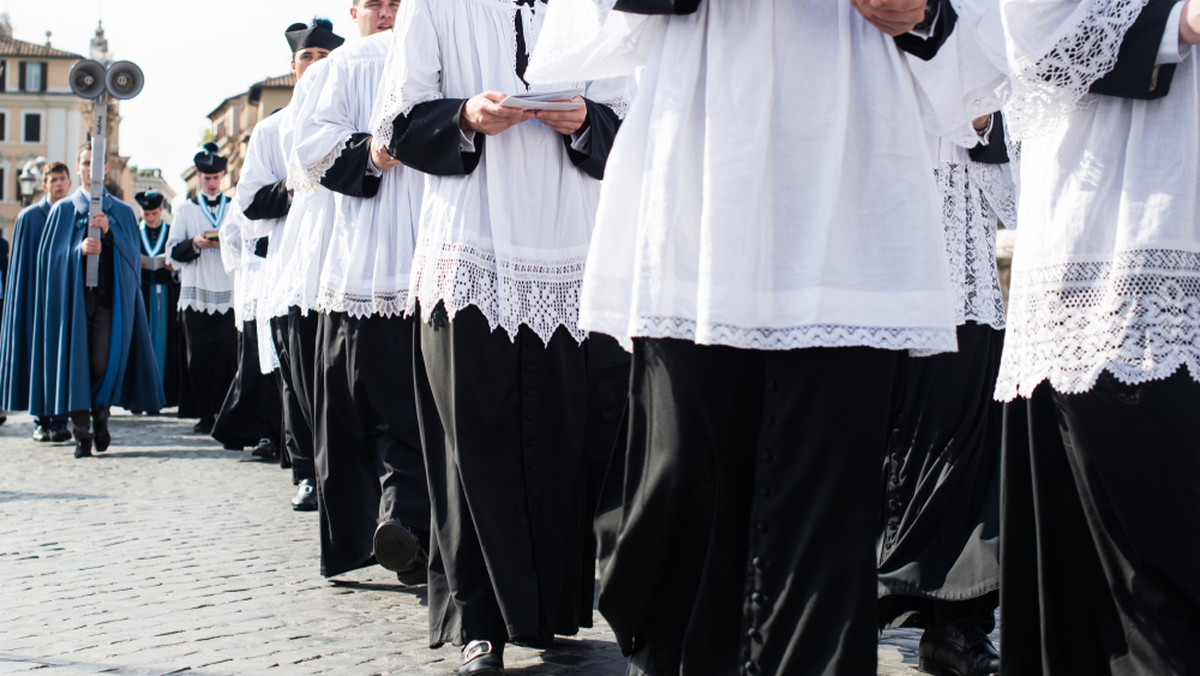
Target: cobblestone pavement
point(167, 554)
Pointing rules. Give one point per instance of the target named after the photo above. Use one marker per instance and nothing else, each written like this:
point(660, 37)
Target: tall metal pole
point(95, 206)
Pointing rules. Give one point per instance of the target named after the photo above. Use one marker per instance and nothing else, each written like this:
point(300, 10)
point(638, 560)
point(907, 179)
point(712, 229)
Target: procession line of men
point(802, 441)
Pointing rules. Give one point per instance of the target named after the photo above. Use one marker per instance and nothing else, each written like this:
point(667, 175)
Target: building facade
point(234, 119)
point(39, 116)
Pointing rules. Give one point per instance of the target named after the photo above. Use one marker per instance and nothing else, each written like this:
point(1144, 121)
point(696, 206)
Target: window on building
point(33, 76)
point(33, 128)
point(3, 185)
point(3, 75)
point(3, 126)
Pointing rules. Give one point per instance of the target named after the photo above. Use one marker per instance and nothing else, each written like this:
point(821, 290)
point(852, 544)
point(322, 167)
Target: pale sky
point(194, 55)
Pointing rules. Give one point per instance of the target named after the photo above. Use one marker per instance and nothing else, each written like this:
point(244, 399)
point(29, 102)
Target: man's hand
point(380, 157)
point(1189, 23)
point(201, 242)
point(91, 245)
point(100, 220)
point(565, 122)
point(484, 114)
point(894, 17)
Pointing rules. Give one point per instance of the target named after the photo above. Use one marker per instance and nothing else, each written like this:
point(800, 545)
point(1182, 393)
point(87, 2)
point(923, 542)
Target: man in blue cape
point(16, 333)
point(91, 346)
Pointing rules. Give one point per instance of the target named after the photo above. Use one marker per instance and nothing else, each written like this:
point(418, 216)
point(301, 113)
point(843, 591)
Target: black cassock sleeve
point(604, 123)
point(657, 6)
point(348, 175)
point(996, 151)
point(428, 139)
point(261, 246)
point(184, 251)
point(939, 22)
point(1136, 76)
point(271, 201)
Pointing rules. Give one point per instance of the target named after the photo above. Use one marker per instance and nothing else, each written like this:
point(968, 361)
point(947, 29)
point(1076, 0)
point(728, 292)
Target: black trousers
point(504, 427)
point(99, 317)
point(939, 533)
point(211, 359)
point(295, 337)
point(738, 528)
point(250, 411)
point(1100, 537)
point(369, 464)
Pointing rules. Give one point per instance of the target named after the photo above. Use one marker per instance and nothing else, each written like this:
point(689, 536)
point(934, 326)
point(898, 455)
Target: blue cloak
point(16, 328)
point(61, 370)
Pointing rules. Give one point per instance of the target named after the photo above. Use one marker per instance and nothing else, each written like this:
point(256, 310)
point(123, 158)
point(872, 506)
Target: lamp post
point(28, 182)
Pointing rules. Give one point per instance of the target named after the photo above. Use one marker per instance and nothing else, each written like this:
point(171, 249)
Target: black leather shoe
point(83, 448)
point(399, 550)
point(203, 426)
point(58, 434)
point(41, 433)
point(306, 496)
point(480, 658)
point(266, 450)
point(102, 439)
point(959, 648)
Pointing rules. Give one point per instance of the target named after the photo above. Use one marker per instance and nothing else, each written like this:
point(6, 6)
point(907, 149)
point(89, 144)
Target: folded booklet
point(152, 262)
point(559, 100)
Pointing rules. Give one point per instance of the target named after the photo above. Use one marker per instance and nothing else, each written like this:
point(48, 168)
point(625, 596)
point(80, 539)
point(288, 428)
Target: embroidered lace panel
point(203, 300)
point(924, 341)
point(970, 227)
point(1137, 317)
point(387, 304)
point(1046, 87)
point(542, 294)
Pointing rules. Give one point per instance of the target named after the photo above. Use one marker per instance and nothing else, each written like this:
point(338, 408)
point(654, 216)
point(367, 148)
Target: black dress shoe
point(83, 448)
point(60, 433)
point(203, 426)
point(41, 433)
point(266, 450)
point(102, 439)
point(959, 648)
point(480, 658)
point(306, 497)
point(399, 550)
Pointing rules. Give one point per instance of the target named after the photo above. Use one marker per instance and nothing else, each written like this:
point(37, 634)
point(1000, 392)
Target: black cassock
point(160, 292)
point(939, 536)
point(507, 437)
point(251, 410)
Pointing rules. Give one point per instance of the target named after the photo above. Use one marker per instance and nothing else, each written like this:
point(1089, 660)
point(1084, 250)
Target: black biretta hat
point(319, 34)
point(151, 199)
point(208, 161)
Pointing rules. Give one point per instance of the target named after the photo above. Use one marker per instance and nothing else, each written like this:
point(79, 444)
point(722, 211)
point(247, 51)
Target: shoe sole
point(304, 506)
point(395, 549)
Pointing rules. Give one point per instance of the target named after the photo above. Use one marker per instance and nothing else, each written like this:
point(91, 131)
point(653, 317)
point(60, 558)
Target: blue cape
point(60, 366)
point(16, 328)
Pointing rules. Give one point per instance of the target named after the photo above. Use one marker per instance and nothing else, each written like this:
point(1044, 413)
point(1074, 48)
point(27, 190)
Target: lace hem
point(1047, 87)
point(1137, 317)
point(358, 306)
point(542, 294)
point(919, 341)
point(203, 300)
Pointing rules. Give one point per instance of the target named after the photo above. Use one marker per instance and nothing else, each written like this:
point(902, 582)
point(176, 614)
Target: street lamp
point(28, 182)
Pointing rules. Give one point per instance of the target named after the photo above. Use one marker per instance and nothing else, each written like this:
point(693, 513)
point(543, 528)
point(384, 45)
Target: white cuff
point(581, 140)
point(1170, 50)
point(927, 33)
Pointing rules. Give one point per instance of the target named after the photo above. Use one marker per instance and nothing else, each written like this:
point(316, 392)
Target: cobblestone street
point(167, 554)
